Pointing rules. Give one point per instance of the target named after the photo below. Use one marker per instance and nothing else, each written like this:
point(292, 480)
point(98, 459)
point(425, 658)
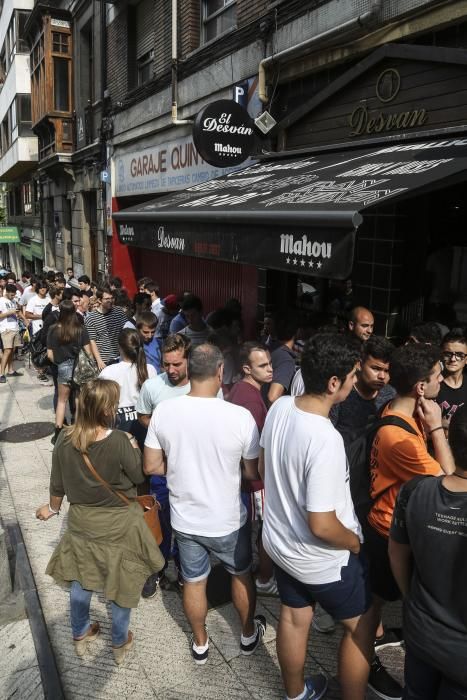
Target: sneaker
point(42, 377)
point(316, 686)
point(151, 586)
point(392, 637)
point(382, 684)
point(249, 648)
point(2, 379)
point(199, 654)
point(322, 621)
point(15, 374)
point(268, 588)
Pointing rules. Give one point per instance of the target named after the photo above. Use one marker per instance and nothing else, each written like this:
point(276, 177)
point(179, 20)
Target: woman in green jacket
point(107, 547)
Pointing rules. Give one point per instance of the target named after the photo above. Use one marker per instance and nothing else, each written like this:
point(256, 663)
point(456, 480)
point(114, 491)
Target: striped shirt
point(104, 329)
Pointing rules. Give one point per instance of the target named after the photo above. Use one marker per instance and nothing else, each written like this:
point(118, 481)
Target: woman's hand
point(44, 512)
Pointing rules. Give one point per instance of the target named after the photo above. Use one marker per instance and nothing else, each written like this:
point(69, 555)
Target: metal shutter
point(144, 27)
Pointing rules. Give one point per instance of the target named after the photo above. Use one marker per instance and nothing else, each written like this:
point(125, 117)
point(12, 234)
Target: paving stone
point(160, 665)
point(19, 671)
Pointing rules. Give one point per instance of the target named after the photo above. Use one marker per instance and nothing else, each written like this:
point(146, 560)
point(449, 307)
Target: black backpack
point(358, 455)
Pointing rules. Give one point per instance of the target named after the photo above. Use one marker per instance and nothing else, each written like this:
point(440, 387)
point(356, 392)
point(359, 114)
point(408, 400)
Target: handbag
point(84, 369)
point(148, 503)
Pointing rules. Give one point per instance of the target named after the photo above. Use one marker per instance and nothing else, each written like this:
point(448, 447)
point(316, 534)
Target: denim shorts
point(233, 551)
point(343, 600)
point(65, 372)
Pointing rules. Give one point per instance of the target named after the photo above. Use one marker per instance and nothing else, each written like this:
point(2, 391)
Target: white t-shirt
point(204, 440)
point(159, 389)
point(36, 305)
point(28, 293)
point(125, 374)
point(306, 470)
point(156, 307)
point(9, 323)
point(297, 388)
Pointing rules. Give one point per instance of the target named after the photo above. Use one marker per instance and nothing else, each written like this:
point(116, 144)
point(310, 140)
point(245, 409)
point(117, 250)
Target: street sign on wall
point(9, 234)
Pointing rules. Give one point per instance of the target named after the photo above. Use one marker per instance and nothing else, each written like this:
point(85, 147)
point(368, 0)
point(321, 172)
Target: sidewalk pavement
point(160, 666)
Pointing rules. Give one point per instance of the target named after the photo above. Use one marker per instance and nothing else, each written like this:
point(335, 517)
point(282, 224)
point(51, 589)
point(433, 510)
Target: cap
point(171, 302)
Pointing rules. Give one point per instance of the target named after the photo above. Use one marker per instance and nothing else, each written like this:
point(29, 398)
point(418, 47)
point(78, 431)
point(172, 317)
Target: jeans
point(80, 600)
point(424, 682)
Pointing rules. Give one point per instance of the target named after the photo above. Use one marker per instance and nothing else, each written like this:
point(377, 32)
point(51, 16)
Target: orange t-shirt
point(396, 457)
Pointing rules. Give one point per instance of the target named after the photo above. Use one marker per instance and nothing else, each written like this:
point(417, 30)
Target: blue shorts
point(233, 551)
point(343, 600)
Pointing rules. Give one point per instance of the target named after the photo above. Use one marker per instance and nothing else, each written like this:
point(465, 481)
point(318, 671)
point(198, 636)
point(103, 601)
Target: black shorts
point(343, 600)
point(383, 583)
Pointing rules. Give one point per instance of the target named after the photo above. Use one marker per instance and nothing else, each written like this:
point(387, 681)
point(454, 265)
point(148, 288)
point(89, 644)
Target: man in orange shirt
point(397, 455)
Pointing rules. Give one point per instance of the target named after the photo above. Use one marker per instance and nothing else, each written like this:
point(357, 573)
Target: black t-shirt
point(451, 399)
point(433, 521)
point(355, 414)
point(65, 351)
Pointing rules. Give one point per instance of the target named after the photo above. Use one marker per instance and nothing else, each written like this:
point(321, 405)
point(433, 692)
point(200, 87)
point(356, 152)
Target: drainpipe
point(360, 21)
point(175, 119)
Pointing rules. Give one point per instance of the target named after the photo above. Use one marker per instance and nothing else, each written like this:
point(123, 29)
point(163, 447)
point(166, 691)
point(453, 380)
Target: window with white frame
point(217, 17)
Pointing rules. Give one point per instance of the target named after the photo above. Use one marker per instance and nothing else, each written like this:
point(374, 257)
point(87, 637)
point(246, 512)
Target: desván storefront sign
point(174, 165)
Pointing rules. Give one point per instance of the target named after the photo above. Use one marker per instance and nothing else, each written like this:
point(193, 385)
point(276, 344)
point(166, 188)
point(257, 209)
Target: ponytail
point(131, 345)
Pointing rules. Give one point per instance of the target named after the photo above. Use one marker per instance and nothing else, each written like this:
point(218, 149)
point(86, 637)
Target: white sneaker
point(268, 588)
point(322, 622)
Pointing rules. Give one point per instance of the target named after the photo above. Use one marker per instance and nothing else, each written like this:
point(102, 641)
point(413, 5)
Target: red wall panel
point(213, 281)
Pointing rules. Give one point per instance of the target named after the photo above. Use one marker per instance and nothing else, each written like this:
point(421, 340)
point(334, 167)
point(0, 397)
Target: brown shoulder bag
point(148, 503)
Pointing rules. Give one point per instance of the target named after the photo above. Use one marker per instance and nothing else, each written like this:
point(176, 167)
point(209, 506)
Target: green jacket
point(110, 550)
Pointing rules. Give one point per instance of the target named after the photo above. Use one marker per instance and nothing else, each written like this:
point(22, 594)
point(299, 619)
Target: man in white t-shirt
point(36, 306)
point(310, 530)
point(9, 330)
point(199, 441)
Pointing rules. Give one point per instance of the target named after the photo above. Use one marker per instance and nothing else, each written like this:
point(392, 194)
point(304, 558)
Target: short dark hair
point(455, 337)
point(116, 281)
point(458, 437)
point(54, 291)
point(378, 347)
point(152, 287)
point(176, 341)
point(428, 333)
point(147, 318)
point(103, 290)
point(84, 279)
point(11, 276)
point(10, 288)
point(286, 327)
point(204, 361)
point(411, 364)
point(40, 284)
point(246, 349)
point(327, 355)
point(192, 302)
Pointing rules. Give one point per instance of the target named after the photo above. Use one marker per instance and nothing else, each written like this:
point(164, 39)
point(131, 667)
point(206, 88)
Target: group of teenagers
point(230, 435)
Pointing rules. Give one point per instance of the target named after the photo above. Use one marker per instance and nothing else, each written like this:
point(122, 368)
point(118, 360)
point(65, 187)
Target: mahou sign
point(223, 133)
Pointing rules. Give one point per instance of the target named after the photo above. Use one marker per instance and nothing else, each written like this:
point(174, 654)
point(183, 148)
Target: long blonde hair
point(97, 407)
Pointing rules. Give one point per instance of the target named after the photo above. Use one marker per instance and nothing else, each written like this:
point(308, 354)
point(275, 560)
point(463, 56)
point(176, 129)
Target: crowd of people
point(344, 454)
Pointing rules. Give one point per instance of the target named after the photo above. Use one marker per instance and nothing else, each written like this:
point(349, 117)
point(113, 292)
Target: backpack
point(38, 351)
point(358, 455)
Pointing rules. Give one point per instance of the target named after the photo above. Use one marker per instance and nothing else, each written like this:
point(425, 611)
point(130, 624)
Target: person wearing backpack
point(399, 453)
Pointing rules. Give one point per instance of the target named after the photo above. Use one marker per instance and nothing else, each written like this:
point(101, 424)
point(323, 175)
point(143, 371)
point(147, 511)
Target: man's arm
point(33, 317)
point(144, 419)
point(250, 469)
point(97, 355)
point(261, 463)
point(275, 392)
point(154, 461)
point(431, 416)
point(328, 528)
point(400, 556)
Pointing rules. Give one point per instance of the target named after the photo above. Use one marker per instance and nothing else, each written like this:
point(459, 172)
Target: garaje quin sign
point(223, 133)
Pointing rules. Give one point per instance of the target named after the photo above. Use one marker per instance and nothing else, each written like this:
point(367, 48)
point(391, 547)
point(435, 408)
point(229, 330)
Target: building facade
point(288, 57)
point(67, 95)
point(22, 244)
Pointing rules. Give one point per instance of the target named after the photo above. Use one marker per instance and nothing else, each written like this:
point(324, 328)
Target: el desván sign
point(223, 133)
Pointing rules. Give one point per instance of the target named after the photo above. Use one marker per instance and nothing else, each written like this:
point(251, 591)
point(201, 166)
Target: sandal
point(121, 651)
point(90, 636)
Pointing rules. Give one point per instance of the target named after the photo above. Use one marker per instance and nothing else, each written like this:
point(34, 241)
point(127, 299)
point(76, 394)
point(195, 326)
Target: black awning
point(297, 215)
